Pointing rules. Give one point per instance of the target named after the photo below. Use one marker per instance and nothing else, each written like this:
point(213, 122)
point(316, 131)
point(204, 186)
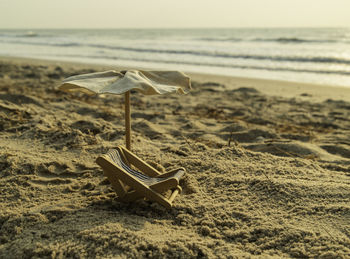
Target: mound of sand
point(266, 176)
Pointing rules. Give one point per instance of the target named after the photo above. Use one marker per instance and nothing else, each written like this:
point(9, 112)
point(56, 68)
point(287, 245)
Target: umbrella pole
point(127, 121)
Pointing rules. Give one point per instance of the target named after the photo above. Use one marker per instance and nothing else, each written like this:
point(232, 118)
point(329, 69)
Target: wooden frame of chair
point(130, 188)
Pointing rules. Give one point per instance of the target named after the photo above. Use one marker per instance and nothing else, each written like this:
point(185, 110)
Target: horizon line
point(174, 28)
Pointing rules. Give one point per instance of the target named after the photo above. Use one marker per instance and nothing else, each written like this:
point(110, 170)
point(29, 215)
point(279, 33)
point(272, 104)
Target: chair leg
point(173, 195)
point(116, 184)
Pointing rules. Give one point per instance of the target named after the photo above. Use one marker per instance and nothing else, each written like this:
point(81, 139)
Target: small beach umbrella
point(113, 82)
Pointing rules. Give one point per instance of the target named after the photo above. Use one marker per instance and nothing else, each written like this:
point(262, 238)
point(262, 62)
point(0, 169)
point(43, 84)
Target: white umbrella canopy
point(114, 82)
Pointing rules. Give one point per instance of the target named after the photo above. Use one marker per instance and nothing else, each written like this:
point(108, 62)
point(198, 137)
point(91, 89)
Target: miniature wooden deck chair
point(131, 185)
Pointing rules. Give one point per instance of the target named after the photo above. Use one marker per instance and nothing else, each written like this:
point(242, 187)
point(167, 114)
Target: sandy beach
point(268, 168)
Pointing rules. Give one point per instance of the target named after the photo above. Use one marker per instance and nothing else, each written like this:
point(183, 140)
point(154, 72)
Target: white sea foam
point(305, 55)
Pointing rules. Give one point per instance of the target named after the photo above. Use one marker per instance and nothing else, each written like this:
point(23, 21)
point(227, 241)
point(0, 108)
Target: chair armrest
point(175, 172)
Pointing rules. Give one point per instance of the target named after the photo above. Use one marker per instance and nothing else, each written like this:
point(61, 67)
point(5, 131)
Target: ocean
point(320, 56)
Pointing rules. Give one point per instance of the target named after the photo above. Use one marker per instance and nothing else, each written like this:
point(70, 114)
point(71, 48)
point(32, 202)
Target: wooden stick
point(127, 121)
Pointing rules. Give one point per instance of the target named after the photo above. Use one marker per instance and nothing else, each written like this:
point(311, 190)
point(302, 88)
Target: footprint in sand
point(87, 127)
point(56, 169)
point(294, 149)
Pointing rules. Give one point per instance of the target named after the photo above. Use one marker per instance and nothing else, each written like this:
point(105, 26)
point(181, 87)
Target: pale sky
point(31, 14)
